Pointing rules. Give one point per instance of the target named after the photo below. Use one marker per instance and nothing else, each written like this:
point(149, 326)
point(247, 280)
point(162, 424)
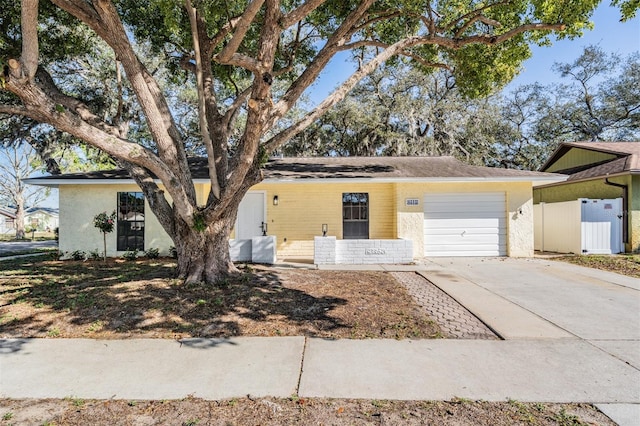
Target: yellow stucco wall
point(599, 190)
point(302, 209)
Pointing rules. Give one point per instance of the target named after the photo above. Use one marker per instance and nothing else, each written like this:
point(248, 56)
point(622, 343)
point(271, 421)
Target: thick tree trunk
point(19, 223)
point(203, 255)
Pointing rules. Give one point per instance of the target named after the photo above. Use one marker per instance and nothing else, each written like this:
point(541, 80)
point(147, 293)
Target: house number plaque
point(375, 251)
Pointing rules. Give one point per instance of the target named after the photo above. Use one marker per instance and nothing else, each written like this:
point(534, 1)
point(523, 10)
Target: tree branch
point(29, 23)
point(314, 69)
point(40, 107)
point(474, 13)
point(14, 110)
point(107, 24)
point(242, 26)
point(300, 13)
point(241, 98)
point(202, 111)
point(339, 94)
point(242, 61)
point(260, 103)
point(71, 103)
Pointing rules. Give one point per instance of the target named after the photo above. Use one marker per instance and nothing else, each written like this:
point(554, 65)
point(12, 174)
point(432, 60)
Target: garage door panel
point(462, 208)
point(464, 253)
point(468, 231)
point(471, 224)
point(467, 247)
point(466, 238)
point(452, 223)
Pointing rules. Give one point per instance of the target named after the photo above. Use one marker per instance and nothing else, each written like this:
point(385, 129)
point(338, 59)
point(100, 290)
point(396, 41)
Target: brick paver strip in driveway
point(455, 321)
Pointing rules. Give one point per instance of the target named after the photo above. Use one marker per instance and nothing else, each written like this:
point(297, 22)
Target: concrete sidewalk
point(535, 370)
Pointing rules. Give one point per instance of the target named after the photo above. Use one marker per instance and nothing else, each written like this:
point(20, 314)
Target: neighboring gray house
point(42, 218)
point(7, 221)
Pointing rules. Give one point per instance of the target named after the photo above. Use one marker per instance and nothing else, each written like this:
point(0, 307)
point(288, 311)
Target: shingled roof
point(386, 168)
point(626, 160)
point(334, 168)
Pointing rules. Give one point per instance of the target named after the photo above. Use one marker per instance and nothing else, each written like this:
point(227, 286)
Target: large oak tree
point(233, 53)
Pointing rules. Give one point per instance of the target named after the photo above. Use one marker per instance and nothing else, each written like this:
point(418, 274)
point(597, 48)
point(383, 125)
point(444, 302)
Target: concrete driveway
point(600, 307)
point(546, 299)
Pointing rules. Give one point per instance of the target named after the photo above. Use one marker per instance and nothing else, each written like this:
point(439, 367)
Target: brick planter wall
point(330, 251)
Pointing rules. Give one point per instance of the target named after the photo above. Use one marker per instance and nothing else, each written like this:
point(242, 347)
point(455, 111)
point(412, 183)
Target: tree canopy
point(403, 111)
point(247, 63)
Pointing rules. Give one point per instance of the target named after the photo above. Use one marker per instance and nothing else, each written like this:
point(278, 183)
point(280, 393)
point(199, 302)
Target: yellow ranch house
point(426, 206)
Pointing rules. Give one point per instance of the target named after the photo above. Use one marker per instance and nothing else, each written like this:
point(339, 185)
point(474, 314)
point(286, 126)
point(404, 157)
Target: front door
point(251, 216)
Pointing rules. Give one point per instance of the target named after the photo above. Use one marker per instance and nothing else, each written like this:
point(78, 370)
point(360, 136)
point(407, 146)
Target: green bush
point(130, 254)
point(78, 255)
point(152, 253)
point(95, 254)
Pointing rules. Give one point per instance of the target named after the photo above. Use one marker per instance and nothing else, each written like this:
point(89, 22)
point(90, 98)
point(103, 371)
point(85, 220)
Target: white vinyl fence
point(583, 226)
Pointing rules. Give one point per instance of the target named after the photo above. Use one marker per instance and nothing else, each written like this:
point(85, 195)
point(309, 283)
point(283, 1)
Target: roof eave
point(587, 179)
point(55, 183)
point(536, 180)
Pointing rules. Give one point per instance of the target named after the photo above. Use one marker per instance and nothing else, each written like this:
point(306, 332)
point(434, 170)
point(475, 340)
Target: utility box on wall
point(582, 226)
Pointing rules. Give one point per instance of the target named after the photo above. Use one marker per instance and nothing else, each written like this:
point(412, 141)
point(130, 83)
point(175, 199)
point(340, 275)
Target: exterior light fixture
point(275, 200)
point(325, 228)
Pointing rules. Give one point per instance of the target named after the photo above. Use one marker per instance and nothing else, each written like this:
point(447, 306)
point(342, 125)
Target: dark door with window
point(355, 216)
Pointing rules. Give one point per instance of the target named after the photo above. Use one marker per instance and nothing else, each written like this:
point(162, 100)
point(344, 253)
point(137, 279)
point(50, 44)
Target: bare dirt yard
point(295, 411)
point(140, 299)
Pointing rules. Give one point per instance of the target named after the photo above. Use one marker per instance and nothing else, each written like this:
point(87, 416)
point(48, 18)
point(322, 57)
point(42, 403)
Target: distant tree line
point(399, 111)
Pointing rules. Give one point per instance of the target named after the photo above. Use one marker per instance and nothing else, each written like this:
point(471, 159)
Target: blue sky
point(609, 33)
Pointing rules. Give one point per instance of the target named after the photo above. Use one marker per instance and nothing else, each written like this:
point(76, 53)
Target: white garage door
point(465, 224)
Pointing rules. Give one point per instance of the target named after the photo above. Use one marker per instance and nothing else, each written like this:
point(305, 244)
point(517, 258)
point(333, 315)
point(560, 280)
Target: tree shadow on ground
point(141, 299)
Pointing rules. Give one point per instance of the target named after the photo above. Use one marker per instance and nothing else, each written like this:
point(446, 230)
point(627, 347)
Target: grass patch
point(625, 264)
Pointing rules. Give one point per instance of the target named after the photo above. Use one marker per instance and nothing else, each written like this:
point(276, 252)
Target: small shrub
point(152, 253)
point(130, 255)
point(173, 252)
point(105, 223)
point(95, 254)
point(78, 255)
